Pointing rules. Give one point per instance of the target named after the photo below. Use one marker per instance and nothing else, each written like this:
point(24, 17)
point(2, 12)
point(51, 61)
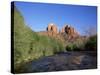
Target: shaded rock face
point(69, 31)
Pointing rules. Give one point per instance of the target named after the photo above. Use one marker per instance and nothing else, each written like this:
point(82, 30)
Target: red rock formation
point(49, 27)
point(52, 29)
point(70, 31)
point(63, 30)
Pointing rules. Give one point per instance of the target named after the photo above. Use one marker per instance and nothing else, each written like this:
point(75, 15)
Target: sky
point(38, 15)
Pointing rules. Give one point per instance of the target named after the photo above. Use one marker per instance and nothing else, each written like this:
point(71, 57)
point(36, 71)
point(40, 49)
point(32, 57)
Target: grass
point(91, 44)
point(88, 44)
point(28, 45)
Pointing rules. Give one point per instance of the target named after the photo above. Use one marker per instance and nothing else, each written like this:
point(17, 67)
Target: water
point(61, 62)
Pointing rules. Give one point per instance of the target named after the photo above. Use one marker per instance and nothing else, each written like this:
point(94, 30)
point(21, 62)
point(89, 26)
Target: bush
point(91, 44)
point(77, 45)
point(72, 47)
point(28, 45)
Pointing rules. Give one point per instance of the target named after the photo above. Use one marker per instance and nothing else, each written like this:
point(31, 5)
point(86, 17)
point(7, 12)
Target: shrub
point(77, 45)
point(91, 44)
point(72, 47)
point(28, 45)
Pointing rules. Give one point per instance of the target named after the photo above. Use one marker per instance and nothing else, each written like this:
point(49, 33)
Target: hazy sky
point(39, 15)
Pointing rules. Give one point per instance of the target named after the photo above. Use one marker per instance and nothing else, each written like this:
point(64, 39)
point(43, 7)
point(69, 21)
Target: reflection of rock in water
point(59, 62)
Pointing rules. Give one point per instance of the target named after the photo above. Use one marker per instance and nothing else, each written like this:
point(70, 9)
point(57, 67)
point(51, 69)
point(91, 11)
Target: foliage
point(91, 43)
point(28, 45)
point(72, 47)
point(77, 45)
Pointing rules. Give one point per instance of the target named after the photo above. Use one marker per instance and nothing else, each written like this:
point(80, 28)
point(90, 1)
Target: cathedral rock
point(70, 31)
point(67, 31)
point(52, 30)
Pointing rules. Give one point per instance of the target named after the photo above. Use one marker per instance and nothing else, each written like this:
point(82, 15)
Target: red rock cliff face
point(70, 31)
point(52, 29)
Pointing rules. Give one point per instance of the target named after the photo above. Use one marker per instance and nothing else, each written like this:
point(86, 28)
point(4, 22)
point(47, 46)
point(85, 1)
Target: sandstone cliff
point(67, 32)
point(70, 31)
